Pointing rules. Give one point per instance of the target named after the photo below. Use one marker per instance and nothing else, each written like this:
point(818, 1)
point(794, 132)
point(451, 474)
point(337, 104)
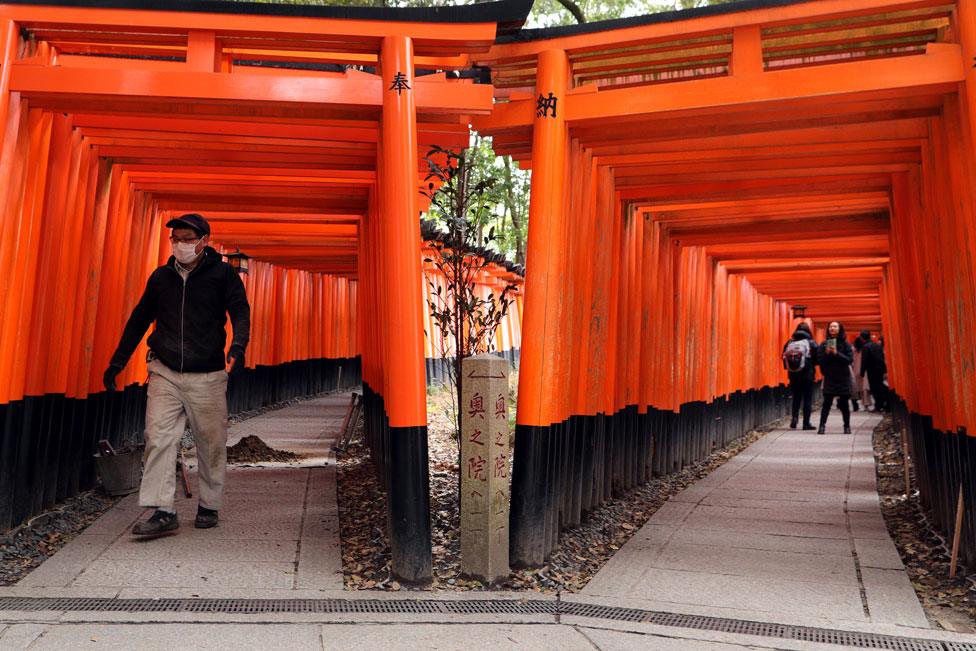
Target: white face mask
point(185, 252)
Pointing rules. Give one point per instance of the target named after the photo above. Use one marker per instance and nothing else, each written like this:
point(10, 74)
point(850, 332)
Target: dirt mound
point(251, 449)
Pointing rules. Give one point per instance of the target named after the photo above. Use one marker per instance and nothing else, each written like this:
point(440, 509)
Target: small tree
point(463, 198)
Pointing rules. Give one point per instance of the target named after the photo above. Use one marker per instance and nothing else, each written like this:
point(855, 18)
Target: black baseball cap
point(190, 220)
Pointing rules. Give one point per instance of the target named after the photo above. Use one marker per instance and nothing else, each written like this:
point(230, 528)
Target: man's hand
point(235, 357)
point(108, 379)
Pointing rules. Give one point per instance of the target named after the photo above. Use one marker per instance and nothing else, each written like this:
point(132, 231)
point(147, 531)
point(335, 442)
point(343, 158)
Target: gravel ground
point(948, 603)
point(25, 547)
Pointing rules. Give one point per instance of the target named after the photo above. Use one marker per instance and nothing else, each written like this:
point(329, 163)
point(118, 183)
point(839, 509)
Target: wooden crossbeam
point(428, 38)
point(166, 86)
point(940, 69)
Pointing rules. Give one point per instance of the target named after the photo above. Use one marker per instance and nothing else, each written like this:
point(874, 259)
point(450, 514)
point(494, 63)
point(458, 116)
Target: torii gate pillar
point(532, 520)
point(401, 308)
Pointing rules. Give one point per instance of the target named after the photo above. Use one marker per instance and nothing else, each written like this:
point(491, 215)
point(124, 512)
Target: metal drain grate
point(850, 639)
point(264, 606)
point(602, 612)
point(499, 607)
point(763, 629)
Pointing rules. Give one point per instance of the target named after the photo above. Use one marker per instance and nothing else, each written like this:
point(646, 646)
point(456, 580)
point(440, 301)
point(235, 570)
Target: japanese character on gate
point(545, 104)
point(399, 83)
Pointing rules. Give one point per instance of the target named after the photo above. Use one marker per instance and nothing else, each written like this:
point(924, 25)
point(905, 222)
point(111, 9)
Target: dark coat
point(190, 316)
point(836, 367)
point(806, 374)
point(873, 359)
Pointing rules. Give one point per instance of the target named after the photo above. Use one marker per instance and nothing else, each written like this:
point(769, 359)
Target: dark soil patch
point(948, 603)
point(581, 552)
point(251, 449)
point(27, 546)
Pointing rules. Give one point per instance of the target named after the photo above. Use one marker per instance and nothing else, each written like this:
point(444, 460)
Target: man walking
point(799, 359)
point(873, 365)
point(189, 299)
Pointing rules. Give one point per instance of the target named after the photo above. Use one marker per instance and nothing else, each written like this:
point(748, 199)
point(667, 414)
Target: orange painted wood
point(846, 187)
point(673, 221)
point(540, 367)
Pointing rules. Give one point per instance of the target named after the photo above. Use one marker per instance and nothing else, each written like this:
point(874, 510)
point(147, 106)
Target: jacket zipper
point(182, 319)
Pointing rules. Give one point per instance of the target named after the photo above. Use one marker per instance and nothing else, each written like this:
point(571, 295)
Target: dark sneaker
point(158, 523)
point(793, 424)
point(808, 426)
point(206, 518)
point(821, 430)
point(847, 430)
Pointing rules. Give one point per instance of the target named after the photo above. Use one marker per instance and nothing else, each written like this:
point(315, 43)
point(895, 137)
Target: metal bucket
point(120, 473)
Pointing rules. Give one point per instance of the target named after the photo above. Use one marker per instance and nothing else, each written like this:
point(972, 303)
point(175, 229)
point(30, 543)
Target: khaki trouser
point(175, 398)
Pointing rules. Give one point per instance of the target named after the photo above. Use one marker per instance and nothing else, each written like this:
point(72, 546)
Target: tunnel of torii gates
point(696, 175)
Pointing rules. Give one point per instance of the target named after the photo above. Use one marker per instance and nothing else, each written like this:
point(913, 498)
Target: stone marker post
point(484, 468)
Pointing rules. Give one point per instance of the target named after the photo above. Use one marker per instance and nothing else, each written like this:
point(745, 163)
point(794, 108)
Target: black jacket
point(836, 368)
point(806, 374)
point(190, 317)
point(873, 359)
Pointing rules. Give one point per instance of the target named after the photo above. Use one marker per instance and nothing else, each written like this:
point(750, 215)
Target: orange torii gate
point(695, 176)
point(297, 131)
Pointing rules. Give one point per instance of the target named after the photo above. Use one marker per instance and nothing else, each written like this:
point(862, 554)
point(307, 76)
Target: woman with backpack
point(835, 357)
point(800, 359)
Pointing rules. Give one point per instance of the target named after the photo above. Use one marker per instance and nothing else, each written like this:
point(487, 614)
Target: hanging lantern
point(799, 311)
point(238, 260)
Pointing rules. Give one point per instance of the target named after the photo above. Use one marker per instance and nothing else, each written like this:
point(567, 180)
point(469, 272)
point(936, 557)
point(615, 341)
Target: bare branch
point(574, 9)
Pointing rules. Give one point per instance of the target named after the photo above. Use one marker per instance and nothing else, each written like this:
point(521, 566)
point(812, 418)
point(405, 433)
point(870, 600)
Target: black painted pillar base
point(409, 496)
point(565, 470)
point(527, 519)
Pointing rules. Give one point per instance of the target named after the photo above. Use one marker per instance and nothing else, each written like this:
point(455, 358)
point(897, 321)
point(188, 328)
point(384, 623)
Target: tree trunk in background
point(574, 9)
point(513, 210)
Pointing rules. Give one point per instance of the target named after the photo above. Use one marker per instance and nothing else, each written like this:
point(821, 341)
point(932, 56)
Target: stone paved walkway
point(789, 531)
point(278, 532)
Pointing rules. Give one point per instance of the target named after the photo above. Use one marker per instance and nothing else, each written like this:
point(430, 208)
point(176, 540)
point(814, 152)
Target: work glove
point(108, 379)
point(235, 357)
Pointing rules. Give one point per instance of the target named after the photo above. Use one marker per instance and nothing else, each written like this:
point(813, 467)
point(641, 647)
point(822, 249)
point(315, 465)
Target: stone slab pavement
point(164, 637)
point(788, 531)
point(279, 528)
point(450, 633)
